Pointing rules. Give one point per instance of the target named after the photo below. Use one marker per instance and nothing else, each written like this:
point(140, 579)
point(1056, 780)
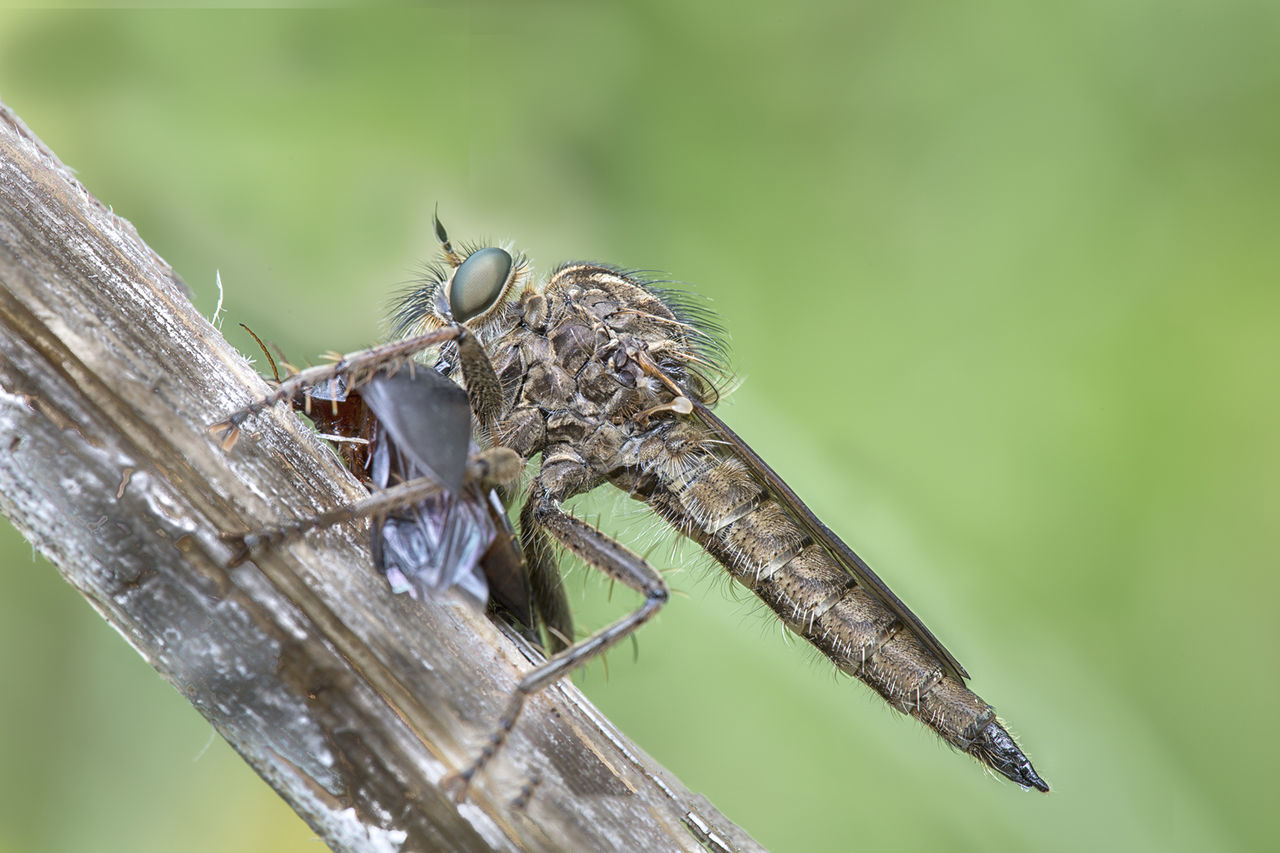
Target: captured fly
point(450, 530)
point(606, 378)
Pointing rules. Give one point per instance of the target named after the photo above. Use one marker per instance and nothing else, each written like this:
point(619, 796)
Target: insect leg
point(399, 495)
point(604, 553)
point(352, 368)
point(483, 387)
point(489, 467)
point(547, 587)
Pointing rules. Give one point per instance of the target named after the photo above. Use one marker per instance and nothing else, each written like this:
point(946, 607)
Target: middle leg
point(610, 557)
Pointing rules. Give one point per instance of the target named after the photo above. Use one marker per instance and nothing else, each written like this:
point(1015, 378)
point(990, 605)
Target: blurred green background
point(1002, 282)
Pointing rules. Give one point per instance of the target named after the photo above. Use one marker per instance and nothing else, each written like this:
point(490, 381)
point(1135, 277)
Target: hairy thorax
point(574, 386)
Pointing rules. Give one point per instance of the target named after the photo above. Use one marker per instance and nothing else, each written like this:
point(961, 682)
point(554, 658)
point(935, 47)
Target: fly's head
point(474, 286)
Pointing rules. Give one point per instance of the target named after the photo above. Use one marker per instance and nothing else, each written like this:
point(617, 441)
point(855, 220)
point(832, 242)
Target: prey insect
point(608, 378)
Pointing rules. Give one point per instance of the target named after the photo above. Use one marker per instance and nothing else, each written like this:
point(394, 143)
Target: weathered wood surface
point(352, 703)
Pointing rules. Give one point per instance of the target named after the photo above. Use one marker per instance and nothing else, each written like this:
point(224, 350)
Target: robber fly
point(610, 379)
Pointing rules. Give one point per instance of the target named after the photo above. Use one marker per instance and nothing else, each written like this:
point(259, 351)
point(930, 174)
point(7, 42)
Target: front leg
point(610, 557)
point(353, 369)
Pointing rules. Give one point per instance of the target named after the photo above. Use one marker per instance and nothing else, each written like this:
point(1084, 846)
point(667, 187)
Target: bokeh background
point(1002, 283)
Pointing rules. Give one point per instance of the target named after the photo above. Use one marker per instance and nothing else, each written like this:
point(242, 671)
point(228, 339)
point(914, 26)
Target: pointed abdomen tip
point(997, 749)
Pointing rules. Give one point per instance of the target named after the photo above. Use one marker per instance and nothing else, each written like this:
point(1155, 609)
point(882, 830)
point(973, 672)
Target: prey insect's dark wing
point(427, 418)
point(823, 535)
point(438, 543)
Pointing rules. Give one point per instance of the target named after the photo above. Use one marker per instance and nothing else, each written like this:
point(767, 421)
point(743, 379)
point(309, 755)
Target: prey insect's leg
point(486, 467)
point(353, 368)
point(613, 559)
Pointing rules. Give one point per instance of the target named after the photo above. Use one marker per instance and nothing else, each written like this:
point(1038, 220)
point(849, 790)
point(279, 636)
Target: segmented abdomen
point(713, 497)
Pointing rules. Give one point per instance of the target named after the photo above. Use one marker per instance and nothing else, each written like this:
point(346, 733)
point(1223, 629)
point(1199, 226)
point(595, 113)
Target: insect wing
point(427, 419)
point(424, 425)
point(833, 544)
point(333, 389)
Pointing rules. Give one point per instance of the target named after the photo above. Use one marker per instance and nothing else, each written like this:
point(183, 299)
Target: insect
point(609, 379)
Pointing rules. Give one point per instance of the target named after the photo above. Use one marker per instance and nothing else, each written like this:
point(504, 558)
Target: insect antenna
point(442, 237)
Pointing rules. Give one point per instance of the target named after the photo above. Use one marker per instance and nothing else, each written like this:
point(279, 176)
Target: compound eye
point(478, 283)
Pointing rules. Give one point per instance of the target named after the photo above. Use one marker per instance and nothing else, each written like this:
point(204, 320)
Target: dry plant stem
point(351, 702)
